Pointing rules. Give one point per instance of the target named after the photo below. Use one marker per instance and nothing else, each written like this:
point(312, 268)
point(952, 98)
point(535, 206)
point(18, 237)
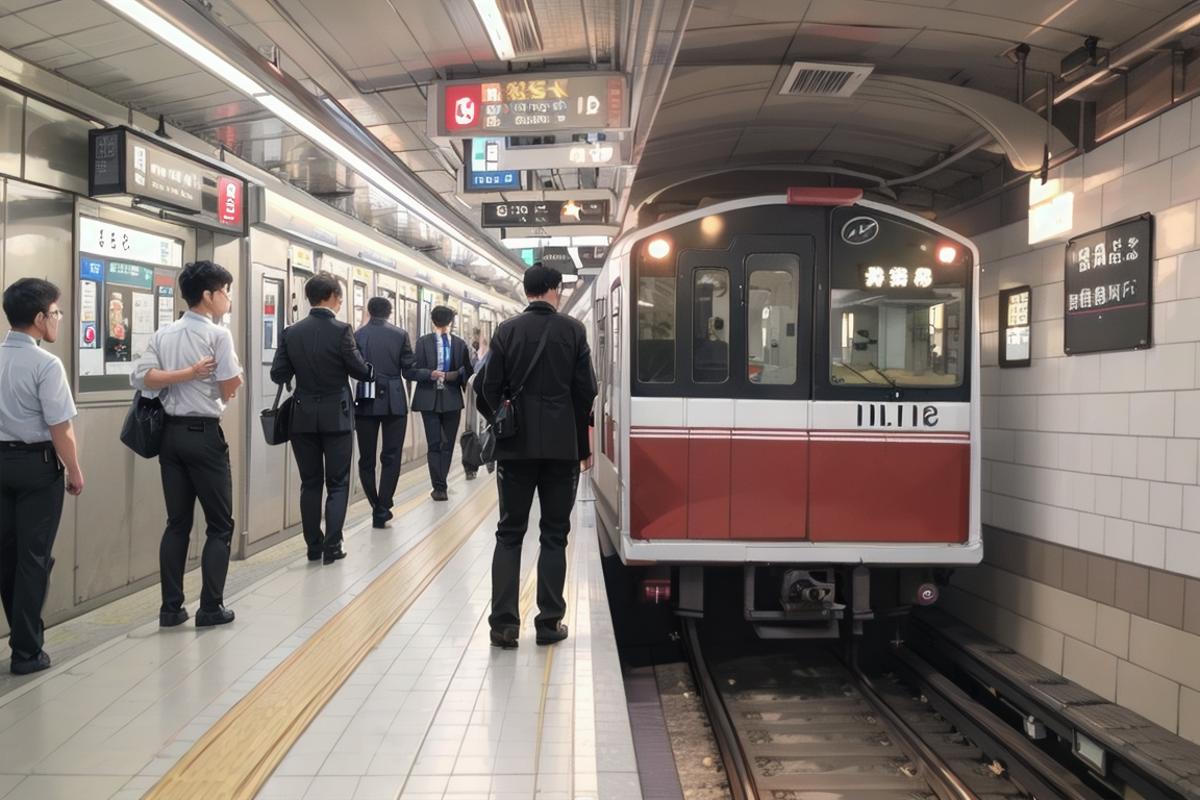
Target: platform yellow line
point(235, 757)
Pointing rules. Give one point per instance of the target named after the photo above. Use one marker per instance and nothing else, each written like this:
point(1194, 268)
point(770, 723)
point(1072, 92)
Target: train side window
point(614, 381)
point(600, 315)
point(710, 330)
point(772, 319)
point(656, 327)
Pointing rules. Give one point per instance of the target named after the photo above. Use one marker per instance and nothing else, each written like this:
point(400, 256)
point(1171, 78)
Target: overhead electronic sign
point(598, 152)
point(122, 161)
point(529, 104)
point(1107, 293)
point(545, 212)
point(481, 170)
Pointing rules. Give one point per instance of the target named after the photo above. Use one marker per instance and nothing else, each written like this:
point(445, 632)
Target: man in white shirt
point(192, 363)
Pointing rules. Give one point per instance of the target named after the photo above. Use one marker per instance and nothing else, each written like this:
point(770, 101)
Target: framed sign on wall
point(1107, 294)
point(1015, 326)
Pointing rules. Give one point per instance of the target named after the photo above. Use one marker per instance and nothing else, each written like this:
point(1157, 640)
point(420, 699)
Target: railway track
point(805, 724)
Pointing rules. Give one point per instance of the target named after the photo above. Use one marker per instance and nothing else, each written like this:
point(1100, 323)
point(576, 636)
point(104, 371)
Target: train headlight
point(947, 254)
point(658, 248)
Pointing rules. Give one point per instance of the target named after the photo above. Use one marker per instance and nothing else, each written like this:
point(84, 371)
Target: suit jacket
point(427, 396)
point(387, 349)
point(320, 353)
point(555, 403)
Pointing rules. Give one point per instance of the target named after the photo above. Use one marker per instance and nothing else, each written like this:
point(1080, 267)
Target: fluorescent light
point(496, 27)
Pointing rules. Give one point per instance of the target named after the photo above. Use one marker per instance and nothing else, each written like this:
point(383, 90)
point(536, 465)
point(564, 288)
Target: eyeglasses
point(56, 314)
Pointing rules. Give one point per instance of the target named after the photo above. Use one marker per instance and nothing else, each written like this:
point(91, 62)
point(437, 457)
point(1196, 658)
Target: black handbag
point(472, 452)
point(505, 423)
point(143, 429)
point(277, 420)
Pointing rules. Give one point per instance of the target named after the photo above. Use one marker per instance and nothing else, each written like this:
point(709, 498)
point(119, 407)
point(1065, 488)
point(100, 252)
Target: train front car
point(790, 384)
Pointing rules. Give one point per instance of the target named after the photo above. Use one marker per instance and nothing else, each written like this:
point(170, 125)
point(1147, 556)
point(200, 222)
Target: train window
point(614, 381)
point(772, 292)
point(600, 315)
point(710, 333)
point(656, 328)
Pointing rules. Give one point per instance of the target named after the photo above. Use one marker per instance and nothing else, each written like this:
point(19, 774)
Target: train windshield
point(898, 302)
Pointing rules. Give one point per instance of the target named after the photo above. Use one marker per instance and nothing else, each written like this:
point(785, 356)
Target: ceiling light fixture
point(496, 27)
point(204, 56)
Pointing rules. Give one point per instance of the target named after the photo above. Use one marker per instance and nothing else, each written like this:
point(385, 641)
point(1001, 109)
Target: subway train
point(789, 384)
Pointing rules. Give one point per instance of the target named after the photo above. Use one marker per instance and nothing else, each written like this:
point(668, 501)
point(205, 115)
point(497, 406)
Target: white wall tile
point(989, 349)
point(1188, 275)
point(1036, 448)
point(1171, 366)
point(989, 381)
point(1091, 532)
point(1152, 459)
point(998, 445)
point(1047, 339)
point(1177, 321)
point(1166, 283)
point(1059, 413)
point(1075, 452)
point(1175, 131)
point(1175, 230)
point(1183, 552)
point(1124, 461)
point(1166, 504)
point(1191, 508)
point(1187, 414)
point(1081, 491)
point(1141, 145)
point(1181, 460)
point(1118, 538)
point(1123, 372)
point(1135, 500)
point(1080, 374)
point(1152, 414)
point(989, 313)
point(1087, 215)
point(1048, 302)
point(1137, 193)
point(1017, 413)
point(1195, 137)
point(1149, 545)
point(1014, 238)
point(1103, 164)
point(1102, 413)
point(1185, 176)
point(1108, 496)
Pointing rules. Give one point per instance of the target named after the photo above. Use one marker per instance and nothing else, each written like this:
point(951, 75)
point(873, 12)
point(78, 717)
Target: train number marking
point(899, 415)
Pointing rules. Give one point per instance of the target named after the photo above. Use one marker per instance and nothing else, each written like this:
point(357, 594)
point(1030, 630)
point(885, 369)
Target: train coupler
point(804, 606)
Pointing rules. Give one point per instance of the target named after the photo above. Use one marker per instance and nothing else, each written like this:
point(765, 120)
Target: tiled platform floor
point(433, 712)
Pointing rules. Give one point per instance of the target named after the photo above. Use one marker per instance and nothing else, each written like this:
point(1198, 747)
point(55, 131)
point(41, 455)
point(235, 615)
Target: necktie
point(445, 353)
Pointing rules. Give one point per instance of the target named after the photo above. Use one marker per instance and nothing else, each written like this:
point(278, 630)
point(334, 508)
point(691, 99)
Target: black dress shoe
point(334, 555)
point(169, 619)
point(550, 637)
point(314, 555)
point(218, 616)
point(379, 523)
point(25, 666)
point(439, 494)
point(505, 638)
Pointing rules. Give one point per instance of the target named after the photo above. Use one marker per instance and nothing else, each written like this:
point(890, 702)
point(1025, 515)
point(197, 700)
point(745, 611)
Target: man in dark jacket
point(382, 405)
point(320, 353)
point(443, 366)
point(551, 447)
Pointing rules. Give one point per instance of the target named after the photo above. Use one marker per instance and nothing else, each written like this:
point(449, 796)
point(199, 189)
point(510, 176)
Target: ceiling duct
point(816, 79)
point(522, 26)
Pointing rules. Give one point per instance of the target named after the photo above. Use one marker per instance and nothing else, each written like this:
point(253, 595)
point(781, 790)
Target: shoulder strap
point(537, 354)
point(278, 394)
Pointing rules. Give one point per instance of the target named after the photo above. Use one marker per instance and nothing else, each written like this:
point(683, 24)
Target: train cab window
point(772, 318)
point(710, 329)
point(656, 327)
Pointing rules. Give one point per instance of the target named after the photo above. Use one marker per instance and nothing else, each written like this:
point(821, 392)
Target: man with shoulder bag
point(537, 393)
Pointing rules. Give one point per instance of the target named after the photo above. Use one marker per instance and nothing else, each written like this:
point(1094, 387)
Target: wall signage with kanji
point(1107, 295)
point(529, 104)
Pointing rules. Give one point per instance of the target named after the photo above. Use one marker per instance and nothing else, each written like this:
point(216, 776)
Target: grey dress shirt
point(179, 345)
point(35, 394)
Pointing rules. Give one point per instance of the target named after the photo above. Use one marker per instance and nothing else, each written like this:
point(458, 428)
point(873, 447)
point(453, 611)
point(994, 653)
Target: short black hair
point(540, 279)
point(321, 287)
point(200, 277)
point(442, 316)
point(27, 298)
point(379, 307)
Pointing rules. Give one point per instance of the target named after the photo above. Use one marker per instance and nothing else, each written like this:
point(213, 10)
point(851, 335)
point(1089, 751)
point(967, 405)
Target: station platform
point(373, 678)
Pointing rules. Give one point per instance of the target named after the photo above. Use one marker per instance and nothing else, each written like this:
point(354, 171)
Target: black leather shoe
point(379, 523)
point(169, 619)
point(334, 555)
point(550, 637)
point(505, 638)
point(26, 666)
point(439, 494)
point(381, 520)
point(218, 616)
point(314, 555)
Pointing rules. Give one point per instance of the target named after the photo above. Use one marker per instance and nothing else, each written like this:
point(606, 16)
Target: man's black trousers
point(324, 461)
point(556, 482)
point(441, 431)
point(381, 495)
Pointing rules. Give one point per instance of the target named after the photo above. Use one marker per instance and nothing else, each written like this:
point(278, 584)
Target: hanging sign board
point(529, 104)
point(1014, 327)
point(1108, 283)
point(481, 168)
point(546, 212)
point(562, 155)
point(122, 161)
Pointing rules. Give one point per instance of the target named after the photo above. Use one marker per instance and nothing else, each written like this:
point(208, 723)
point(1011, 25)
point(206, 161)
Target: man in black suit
point(443, 366)
point(382, 405)
point(320, 353)
point(551, 446)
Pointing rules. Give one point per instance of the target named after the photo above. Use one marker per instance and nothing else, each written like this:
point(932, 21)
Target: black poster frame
point(1141, 331)
point(1005, 295)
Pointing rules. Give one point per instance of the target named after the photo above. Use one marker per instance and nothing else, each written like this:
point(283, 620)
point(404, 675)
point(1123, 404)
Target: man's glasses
point(56, 314)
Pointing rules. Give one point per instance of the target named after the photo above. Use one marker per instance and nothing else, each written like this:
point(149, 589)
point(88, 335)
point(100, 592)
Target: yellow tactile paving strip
point(237, 755)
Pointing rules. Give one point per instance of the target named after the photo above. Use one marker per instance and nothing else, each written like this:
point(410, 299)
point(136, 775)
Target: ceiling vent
point(815, 79)
point(522, 26)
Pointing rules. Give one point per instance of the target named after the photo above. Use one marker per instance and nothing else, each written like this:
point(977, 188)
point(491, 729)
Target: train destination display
point(529, 103)
point(545, 212)
point(1107, 295)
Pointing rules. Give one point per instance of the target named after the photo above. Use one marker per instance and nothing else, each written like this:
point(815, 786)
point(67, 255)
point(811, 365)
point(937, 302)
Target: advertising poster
point(270, 318)
point(166, 305)
point(143, 312)
point(117, 334)
point(87, 315)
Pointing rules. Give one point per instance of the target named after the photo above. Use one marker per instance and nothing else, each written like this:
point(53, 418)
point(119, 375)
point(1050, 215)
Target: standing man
point(542, 359)
point(382, 405)
point(443, 366)
point(192, 364)
point(36, 443)
point(320, 353)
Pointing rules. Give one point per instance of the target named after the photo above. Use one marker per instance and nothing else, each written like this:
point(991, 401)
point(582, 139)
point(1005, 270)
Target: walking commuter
point(320, 353)
point(37, 443)
point(540, 361)
point(441, 372)
point(192, 365)
point(382, 406)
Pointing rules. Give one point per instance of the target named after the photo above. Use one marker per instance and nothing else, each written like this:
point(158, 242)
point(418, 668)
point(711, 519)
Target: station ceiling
point(710, 117)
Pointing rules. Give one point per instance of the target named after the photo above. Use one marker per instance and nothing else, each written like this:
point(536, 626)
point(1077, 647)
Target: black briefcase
point(277, 420)
point(143, 428)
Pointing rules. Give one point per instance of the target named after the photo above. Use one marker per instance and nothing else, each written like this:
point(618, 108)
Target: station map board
point(1108, 288)
point(526, 104)
point(127, 280)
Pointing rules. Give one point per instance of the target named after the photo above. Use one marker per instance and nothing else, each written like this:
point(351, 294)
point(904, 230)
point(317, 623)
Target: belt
point(27, 447)
point(191, 420)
